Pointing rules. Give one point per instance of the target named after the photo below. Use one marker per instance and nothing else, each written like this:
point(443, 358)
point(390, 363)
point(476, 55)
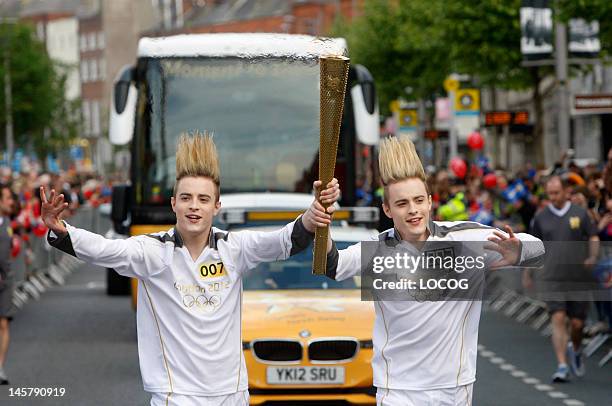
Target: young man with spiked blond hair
point(425, 350)
point(189, 321)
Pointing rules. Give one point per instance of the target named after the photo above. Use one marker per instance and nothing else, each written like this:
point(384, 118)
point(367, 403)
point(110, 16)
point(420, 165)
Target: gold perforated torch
point(334, 74)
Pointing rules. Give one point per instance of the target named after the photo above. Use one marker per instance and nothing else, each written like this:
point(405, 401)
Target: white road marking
point(573, 402)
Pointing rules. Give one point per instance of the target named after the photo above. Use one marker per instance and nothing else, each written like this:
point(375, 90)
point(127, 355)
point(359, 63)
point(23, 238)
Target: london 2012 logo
point(202, 302)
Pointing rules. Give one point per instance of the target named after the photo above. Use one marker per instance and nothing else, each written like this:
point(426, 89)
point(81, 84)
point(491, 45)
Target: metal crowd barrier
point(506, 295)
point(44, 267)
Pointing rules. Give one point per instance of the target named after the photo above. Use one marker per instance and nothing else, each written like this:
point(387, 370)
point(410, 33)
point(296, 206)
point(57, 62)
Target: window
point(83, 42)
point(91, 40)
point(84, 71)
point(101, 40)
point(93, 69)
point(86, 117)
point(95, 117)
point(102, 69)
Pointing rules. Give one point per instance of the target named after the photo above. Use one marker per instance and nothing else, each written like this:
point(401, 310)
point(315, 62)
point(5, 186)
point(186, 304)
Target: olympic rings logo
point(203, 302)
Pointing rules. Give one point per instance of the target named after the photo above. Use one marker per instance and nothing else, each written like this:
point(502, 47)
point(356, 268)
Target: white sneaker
point(561, 374)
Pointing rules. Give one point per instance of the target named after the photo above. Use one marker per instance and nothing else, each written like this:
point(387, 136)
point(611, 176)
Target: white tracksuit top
point(427, 345)
point(189, 312)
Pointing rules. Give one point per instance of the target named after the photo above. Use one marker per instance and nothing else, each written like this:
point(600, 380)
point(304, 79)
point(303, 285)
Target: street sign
point(536, 28)
point(592, 104)
point(394, 106)
point(451, 84)
point(467, 102)
point(408, 118)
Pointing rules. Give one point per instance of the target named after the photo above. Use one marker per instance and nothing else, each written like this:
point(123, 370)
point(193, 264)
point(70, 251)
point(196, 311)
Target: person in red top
point(6, 278)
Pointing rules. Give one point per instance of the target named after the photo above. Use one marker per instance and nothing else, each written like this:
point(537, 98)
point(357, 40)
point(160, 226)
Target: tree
point(41, 116)
point(417, 43)
point(485, 43)
point(401, 46)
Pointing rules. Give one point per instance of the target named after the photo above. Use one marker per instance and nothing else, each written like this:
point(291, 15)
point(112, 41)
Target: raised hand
point(51, 209)
point(317, 215)
point(508, 246)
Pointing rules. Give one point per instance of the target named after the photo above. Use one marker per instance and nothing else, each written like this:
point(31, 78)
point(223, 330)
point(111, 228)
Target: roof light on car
point(233, 216)
point(364, 215)
point(242, 216)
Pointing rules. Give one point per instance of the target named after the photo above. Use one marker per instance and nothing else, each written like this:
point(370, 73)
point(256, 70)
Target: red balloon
point(489, 180)
point(475, 141)
point(458, 167)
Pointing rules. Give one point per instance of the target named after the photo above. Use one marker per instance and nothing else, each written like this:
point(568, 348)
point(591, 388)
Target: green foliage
point(484, 41)
point(417, 43)
point(399, 51)
point(41, 116)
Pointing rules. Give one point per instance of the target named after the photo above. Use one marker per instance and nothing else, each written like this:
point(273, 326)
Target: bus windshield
point(264, 114)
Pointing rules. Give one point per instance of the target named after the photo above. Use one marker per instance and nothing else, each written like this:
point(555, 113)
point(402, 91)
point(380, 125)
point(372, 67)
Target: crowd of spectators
point(78, 188)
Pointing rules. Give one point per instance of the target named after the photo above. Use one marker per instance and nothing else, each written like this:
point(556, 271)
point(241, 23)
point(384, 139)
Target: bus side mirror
point(123, 107)
point(365, 105)
point(120, 207)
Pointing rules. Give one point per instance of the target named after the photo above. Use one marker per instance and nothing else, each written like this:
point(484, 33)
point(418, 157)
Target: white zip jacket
point(433, 344)
point(189, 312)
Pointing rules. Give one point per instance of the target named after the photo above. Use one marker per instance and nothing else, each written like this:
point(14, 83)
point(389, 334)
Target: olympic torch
point(334, 75)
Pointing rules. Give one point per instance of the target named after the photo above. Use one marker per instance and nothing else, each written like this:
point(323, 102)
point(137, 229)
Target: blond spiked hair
point(398, 160)
point(196, 155)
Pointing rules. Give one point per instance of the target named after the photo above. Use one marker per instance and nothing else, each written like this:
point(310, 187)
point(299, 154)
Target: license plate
point(304, 375)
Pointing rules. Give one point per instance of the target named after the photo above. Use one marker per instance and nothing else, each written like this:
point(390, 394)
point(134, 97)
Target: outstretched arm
point(249, 248)
point(137, 257)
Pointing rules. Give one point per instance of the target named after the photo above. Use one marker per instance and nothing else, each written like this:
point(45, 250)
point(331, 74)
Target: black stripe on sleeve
point(300, 237)
point(62, 243)
point(332, 261)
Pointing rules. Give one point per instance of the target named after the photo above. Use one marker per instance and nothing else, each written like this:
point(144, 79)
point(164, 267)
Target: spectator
point(580, 196)
point(595, 185)
point(6, 277)
point(607, 173)
point(604, 307)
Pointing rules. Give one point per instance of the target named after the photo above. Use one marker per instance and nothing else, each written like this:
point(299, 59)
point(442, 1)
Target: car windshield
point(295, 273)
